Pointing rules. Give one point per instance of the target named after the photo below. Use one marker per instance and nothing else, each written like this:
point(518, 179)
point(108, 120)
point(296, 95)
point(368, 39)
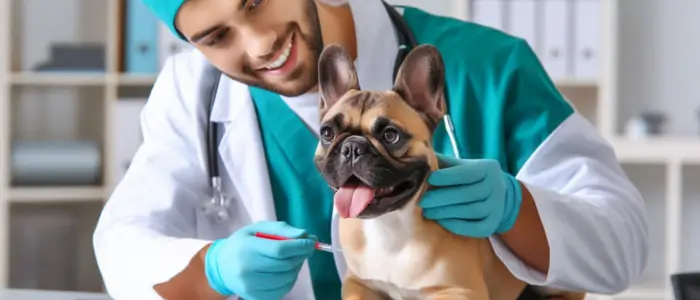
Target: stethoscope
point(217, 205)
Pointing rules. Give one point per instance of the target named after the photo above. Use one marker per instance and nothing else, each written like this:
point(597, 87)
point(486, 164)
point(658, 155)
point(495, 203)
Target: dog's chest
point(391, 263)
point(395, 274)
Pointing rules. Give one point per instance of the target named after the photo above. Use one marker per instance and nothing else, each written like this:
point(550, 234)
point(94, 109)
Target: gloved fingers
point(458, 175)
point(278, 265)
point(284, 249)
point(455, 195)
point(277, 228)
point(474, 228)
point(260, 291)
point(446, 161)
point(472, 211)
point(274, 282)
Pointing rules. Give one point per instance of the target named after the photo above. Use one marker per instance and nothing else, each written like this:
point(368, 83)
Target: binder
point(556, 31)
point(127, 133)
point(169, 44)
point(586, 39)
point(522, 21)
point(140, 39)
point(489, 13)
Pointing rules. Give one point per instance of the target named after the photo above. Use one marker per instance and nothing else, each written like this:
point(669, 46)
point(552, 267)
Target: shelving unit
point(91, 96)
point(664, 168)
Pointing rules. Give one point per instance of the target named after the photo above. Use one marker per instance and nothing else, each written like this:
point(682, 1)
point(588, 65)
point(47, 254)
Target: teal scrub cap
point(166, 10)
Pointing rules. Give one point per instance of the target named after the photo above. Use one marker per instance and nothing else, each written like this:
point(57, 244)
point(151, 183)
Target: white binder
point(586, 39)
point(556, 30)
point(489, 13)
point(127, 133)
point(169, 44)
point(522, 16)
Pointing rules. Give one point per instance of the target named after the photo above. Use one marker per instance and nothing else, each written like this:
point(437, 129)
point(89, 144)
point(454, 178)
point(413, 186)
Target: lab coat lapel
point(293, 137)
point(243, 158)
point(241, 149)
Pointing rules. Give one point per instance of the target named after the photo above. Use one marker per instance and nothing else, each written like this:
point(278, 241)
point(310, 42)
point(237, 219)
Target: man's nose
point(259, 42)
point(354, 148)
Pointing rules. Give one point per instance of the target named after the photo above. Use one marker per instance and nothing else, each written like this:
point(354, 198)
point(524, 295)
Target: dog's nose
point(354, 148)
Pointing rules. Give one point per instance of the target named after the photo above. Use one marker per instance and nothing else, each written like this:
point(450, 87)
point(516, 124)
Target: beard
point(304, 79)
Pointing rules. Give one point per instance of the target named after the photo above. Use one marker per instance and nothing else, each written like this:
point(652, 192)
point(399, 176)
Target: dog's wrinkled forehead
point(362, 111)
point(416, 100)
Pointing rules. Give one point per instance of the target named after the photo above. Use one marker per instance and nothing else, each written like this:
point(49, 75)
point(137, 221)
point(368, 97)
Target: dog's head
point(375, 147)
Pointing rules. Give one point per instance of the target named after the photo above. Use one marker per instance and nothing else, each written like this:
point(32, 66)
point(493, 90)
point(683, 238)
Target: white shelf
point(58, 79)
point(56, 194)
point(136, 80)
point(658, 150)
point(576, 83)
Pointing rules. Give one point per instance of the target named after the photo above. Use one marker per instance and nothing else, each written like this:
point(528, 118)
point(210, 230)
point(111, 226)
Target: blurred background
point(74, 75)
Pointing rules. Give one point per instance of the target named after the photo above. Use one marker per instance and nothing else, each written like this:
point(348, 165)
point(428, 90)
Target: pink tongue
point(351, 200)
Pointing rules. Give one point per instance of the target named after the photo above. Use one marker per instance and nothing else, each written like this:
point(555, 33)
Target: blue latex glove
point(256, 268)
point(472, 197)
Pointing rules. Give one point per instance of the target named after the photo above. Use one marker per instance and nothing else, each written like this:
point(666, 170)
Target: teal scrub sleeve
point(533, 107)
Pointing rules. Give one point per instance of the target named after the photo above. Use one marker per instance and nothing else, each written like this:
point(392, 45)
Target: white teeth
point(282, 58)
point(386, 190)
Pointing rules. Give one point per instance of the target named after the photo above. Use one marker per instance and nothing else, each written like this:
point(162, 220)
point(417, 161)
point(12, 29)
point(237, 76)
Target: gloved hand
point(255, 268)
point(472, 197)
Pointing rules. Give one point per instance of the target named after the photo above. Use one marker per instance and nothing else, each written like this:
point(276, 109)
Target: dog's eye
point(391, 136)
point(327, 134)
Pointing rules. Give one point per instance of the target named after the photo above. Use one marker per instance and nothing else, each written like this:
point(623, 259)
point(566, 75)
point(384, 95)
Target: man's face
point(271, 44)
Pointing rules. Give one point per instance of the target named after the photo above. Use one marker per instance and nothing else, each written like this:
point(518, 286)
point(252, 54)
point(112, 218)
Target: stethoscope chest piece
point(217, 206)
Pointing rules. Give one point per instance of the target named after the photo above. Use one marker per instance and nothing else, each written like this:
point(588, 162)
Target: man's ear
point(421, 82)
point(336, 75)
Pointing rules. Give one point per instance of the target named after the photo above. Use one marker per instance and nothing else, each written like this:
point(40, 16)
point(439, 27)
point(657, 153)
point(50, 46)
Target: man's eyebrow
point(198, 36)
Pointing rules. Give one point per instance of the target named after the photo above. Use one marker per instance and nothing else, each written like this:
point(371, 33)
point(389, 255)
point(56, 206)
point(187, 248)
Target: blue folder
point(141, 39)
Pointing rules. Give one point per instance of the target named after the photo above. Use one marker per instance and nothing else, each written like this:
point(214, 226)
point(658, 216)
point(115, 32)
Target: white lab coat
point(151, 227)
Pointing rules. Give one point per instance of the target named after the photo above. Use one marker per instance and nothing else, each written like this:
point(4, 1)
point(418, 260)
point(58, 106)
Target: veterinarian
point(559, 211)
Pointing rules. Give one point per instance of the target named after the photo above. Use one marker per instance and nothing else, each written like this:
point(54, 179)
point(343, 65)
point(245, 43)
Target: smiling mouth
point(282, 57)
point(403, 188)
point(355, 196)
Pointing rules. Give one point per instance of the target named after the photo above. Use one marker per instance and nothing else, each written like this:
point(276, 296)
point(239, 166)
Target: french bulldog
point(375, 152)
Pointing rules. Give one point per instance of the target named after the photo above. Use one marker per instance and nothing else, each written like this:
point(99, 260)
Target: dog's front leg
point(355, 289)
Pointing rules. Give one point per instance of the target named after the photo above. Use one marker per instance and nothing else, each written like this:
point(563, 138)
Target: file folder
point(489, 13)
point(522, 21)
point(556, 32)
point(141, 35)
point(586, 39)
point(169, 44)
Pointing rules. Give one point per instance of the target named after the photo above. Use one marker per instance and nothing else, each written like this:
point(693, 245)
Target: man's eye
point(216, 38)
point(254, 3)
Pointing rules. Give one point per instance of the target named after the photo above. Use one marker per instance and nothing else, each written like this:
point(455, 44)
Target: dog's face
point(375, 148)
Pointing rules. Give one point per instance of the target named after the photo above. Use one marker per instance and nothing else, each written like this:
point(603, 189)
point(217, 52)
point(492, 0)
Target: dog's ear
point(336, 75)
point(421, 82)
